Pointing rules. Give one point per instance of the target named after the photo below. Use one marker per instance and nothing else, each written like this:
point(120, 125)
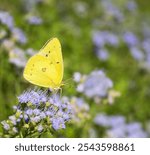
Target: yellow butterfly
point(46, 67)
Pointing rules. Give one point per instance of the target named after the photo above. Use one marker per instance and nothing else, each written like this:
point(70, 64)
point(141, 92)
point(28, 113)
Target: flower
point(19, 35)
point(6, 126)
point(79, 109)
point(96, 84)
point(30, 51)
point(17, 57)
point(102, 54)
point(112, 10)
point(58, 123)
point(102, 120)
point(33, 96)
point(98, 39)
point(34, 20)
point(137, 54)
point(7, 19)
point(77, 77)
point(38, 110)
point(131, 5)
point(40, 128)
point(130, 39)
point(117, 127)
point(102, 38)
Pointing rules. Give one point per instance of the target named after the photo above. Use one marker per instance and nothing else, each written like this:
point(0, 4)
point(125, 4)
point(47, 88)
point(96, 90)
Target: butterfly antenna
point(68, 83)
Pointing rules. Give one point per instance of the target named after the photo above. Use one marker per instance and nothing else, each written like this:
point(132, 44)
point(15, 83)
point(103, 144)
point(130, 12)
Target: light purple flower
point(35, 119)
point(34, 20)
point(133, 127)
point(112, 10)
point(118, 132)
point(58, 123)
point(146, 45)
point(43, 115)
point(112, 39)
point(97, 84)
point(137, 54)
point(131, 5)
point(13, 119)
point(98, 39)
point(29, 112)
point(139, 134)
point(17, 57)
point(7, 19)
point(116, 121)
point(102, 120)
point(40, 128)
point(130, 39)
point(77, 77)
point(34, 111)
point(30, 51)
point(102, 54)
point(116, 127)
point(6, 126)
point(19, 35)
point(35, 97)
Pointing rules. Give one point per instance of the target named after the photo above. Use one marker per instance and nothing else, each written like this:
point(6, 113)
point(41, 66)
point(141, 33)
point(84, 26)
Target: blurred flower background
point(106, 51)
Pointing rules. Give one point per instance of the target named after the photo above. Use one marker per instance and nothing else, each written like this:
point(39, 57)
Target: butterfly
point(46, 67)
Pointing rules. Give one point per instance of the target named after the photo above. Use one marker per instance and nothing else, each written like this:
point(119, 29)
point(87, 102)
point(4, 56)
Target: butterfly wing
point(46, 68)
point(52, 52)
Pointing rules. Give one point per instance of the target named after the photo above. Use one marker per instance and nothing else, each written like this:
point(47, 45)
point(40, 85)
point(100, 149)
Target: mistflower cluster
point(100, 40)
point(6, 19)
point(17, 57)
point(116, 127)
point(105, 34)
point(11, 38)
point(16, 33)
point(112, 10)
point(34, 20)
point(80, 109)
point(131, 6)
point(139, 48)
point(37, 113)
point(19, 36)
point(96, 85)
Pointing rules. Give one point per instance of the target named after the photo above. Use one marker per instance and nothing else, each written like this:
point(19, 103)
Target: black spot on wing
point(44, 69)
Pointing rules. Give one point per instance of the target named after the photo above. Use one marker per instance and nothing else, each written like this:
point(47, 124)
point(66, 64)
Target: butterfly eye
point(57, 62)
point(46, 55)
